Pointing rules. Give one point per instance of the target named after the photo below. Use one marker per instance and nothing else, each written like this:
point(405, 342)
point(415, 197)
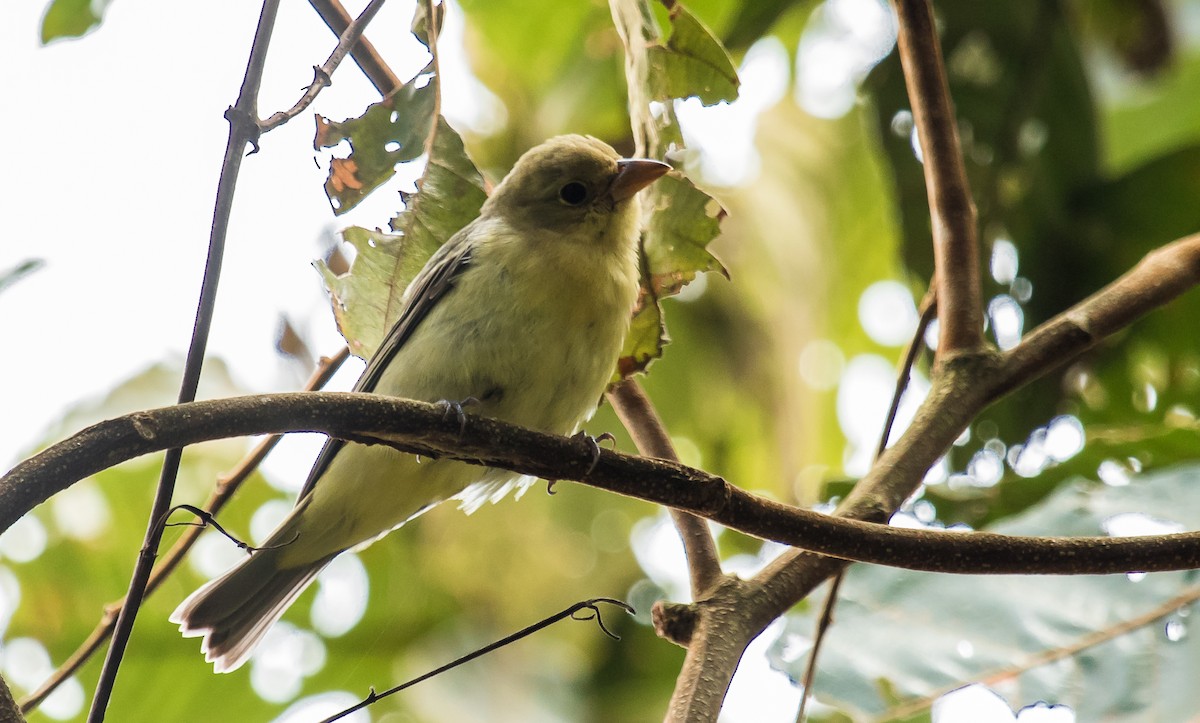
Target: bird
point(521, 314)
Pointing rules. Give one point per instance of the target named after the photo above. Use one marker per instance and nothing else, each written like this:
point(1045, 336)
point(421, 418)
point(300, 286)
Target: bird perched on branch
point(523, 312)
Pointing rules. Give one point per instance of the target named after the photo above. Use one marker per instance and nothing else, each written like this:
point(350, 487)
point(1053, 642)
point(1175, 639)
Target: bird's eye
point(573, 194)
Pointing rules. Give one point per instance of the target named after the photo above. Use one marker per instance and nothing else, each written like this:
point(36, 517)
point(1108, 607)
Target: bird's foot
point(593, 447)
point(455, 409)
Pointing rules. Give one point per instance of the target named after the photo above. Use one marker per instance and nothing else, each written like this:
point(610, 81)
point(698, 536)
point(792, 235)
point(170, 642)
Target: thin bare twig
point(928, 308)
point(322, 75)
point(823, 625)
point(363, 53)
point(926, 312)
point(571, 612)
point(952, 211)
point(637, 413)
point(243, 130)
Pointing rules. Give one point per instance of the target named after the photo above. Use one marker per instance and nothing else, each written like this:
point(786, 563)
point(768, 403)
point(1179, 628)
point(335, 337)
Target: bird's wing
point(430, 286)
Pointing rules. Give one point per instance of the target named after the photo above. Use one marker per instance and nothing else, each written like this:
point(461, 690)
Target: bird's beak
point(634, 174)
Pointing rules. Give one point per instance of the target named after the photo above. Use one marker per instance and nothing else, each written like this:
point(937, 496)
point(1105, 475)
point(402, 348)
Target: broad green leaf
point(71, 18)
point(369, 297)
point(681, 219)
point(394, 130)
point(1145, 207)
point(692, 63)
point(1153, 117)
point(1141, 444)
point(922, 633)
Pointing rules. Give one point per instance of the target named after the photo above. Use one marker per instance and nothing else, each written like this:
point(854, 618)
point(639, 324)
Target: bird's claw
point(456, 409)
point(593, 445)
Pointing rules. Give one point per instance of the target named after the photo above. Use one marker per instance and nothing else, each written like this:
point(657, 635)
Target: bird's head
point(573, 183)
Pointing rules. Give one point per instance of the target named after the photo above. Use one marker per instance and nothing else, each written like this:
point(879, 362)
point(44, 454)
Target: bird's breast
point(532, 337)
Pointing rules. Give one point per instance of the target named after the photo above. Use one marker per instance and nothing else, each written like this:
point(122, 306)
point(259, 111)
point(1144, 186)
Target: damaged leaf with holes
point(692, 63)
point(368, 298)
point(682, 221)
point(390, 132)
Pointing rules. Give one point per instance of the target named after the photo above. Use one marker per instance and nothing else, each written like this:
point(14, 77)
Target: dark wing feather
point(432, 284)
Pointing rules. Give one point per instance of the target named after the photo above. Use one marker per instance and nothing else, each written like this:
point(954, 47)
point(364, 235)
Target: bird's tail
point(234, 611)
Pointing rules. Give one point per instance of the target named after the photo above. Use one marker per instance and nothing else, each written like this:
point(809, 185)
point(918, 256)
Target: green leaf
point(392, 131)
point(646, 339)
point(692, 63)
point(1139, 445)
point(556, 67)
point(684, 221)
point(752, 21)
point(8, 277)
point(922, 633)
point(1152, 118)
point(370, 292)
point(420, 21)
point(1145, 207)
point(369, 297)
point(450, 195)
point(71, 18)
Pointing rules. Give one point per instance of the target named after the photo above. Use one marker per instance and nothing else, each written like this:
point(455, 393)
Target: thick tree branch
point(952, 211)
point(962, 388)
point(638, 415)
point(968, 377)
point(1159, 277)
point(424, 429)
point(9, 712)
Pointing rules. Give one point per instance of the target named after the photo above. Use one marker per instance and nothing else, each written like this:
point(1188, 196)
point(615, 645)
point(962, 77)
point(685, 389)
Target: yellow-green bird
point(523, 311)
